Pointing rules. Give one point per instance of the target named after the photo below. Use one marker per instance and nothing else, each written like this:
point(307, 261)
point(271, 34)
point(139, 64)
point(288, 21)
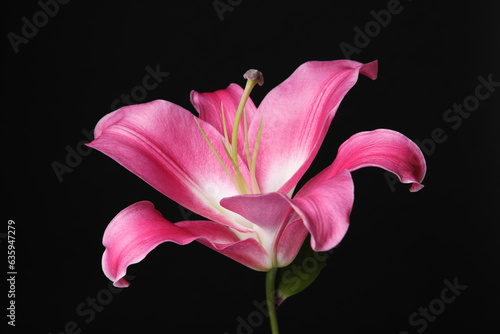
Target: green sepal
point(299, 274)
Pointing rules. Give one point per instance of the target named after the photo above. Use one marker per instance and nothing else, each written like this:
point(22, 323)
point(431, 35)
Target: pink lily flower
point(242, 180)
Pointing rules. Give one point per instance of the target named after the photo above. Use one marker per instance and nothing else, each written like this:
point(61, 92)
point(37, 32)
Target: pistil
point(253, 77)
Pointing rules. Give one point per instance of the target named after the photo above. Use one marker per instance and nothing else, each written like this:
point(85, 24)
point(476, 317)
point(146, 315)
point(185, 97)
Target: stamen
point(242, 184)
point(247, 148)
point(255, 186)
point(216, 154)
point(224, 124)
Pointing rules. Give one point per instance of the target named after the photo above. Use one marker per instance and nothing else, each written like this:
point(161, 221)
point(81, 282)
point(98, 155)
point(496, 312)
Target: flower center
point(253, 77)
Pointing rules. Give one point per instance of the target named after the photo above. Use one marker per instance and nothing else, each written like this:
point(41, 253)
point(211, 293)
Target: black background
point(400, 247)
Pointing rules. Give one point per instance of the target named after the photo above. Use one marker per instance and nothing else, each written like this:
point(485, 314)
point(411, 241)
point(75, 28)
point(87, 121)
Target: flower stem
point(271, 299)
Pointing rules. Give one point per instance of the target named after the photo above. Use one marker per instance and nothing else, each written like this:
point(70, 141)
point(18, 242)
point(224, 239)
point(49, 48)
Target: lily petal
point(325, 210)
point(290, 242)
point(269, 212)
point(208, 106)
point(297, 115)
point(386, 149)
point(139, 228)
point(161, 143)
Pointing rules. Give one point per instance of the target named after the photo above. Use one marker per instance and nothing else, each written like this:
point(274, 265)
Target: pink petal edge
point(297, 114)
point(139, 228)
point(161, 143)
point(386, 149)
point(325, 210)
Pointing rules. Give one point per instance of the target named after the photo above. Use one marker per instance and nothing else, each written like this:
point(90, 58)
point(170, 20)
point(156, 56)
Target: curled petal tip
point(254, 75)
point(121, 283)
point(370, 69)
point(416, 187)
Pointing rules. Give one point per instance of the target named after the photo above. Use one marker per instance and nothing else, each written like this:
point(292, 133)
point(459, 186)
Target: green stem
point(271, 299)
